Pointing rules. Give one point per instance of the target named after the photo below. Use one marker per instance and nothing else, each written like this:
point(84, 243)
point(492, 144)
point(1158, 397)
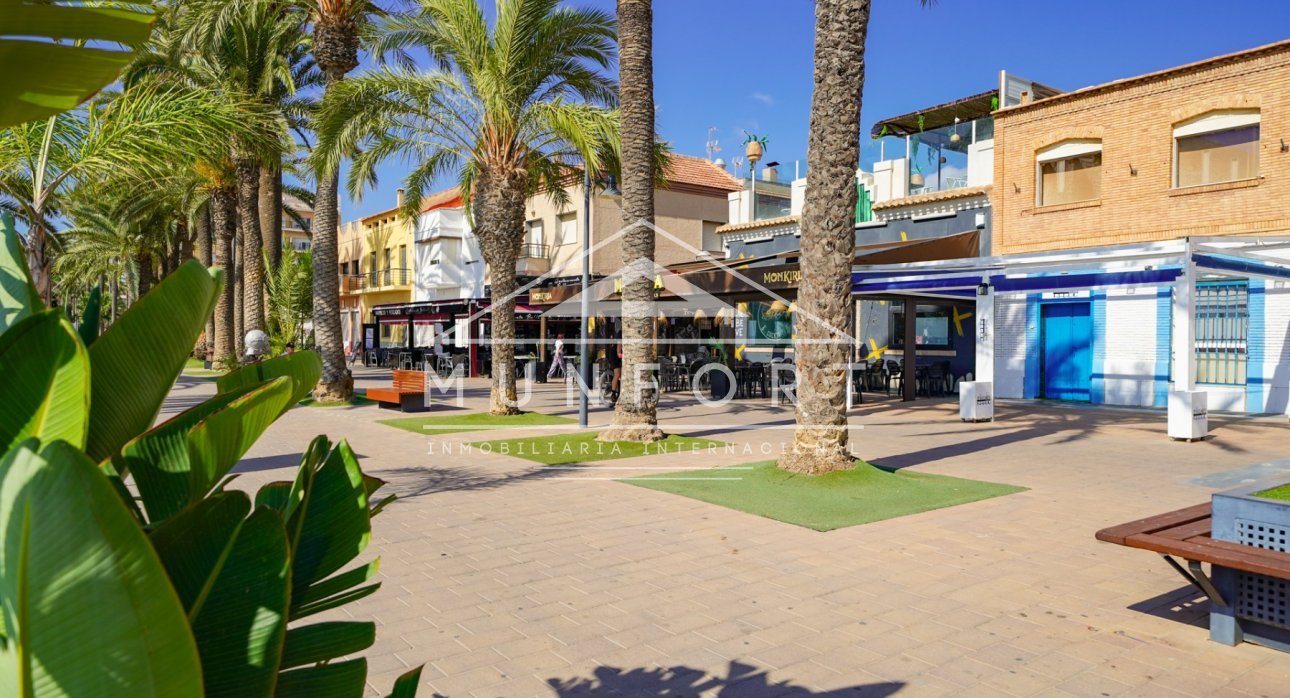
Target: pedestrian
point(557, 358)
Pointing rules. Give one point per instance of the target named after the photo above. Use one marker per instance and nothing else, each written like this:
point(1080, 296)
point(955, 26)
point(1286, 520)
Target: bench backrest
point(409, 381)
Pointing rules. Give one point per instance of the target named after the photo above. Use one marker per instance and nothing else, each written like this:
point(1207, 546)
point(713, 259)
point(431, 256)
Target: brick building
point(1129, 157)
point(1134, 218)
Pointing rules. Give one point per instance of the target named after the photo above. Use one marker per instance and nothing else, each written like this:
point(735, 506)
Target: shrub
point(188, 587)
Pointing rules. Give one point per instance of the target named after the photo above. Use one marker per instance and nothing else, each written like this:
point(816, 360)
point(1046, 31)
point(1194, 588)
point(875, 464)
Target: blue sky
point(746, 64)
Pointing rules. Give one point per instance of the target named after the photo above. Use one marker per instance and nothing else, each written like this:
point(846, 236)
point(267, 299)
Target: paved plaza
point(509, 579)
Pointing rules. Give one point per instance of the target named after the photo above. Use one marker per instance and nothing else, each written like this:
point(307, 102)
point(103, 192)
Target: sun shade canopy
point(966, 109)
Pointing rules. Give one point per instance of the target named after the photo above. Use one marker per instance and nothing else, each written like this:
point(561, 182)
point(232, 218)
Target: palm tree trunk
point(203, 244)
point(143, 260)
point(248, 219)
point(499, 220)
point(823, 342)
point(39, 260)
point(271, 214)
point(335, 48)
point(636, 414)
point(221, 210)
point(239, 285)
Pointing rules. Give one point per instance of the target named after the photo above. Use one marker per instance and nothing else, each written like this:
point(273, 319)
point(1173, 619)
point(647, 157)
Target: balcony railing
point(533, 250)
point(393, 277)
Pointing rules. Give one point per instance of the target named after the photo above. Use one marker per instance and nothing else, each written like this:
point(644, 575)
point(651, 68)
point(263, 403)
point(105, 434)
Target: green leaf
point(220, 440)
point(241, 625)
point(335, 680)
point(47, 381)
point(321, 591)
point(195, 544)
point(304, 368)
point(320, 642)
point(87, 606)
point(135, 363)
point(169, 478)
point(89, 329)
point(18, 297)
point(334, 601)
point(406, 685)
point(336, 525)
point(274, 495)
point(43, 78)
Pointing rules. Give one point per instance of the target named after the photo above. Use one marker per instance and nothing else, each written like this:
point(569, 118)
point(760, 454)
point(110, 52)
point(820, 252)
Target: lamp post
point(584, 363)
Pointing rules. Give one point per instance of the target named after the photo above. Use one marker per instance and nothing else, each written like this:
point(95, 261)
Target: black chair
point(895, 374)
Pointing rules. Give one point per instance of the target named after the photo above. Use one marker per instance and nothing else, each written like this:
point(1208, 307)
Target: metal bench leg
point(1198, 579)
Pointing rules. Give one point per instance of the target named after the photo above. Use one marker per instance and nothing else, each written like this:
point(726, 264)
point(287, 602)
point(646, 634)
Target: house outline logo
point(839, 336)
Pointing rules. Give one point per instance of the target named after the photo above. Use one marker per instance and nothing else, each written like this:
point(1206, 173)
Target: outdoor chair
point(895, 376)
point(875, 377)
point(405, 360)
point(370, 359)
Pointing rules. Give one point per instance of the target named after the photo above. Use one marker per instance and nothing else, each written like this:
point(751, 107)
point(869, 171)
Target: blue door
point(1068, 351)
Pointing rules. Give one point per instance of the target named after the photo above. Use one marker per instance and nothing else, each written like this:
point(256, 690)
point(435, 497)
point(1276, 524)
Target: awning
point(520, 309)
point(429, 319)
point(966, 109)
point(954, 246)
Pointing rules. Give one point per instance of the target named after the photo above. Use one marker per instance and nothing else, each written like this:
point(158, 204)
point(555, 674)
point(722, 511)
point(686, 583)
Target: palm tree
point(337, 25)
point(820, 442)
point(136, 135)
point(510, 111)
point(636, 413)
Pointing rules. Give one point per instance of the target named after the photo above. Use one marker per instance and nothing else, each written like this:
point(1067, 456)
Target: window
point(931, 329)
point(1215, 148)
point(1222, 324)
point(568, 229)
point(1069, 172)
point(533, 232)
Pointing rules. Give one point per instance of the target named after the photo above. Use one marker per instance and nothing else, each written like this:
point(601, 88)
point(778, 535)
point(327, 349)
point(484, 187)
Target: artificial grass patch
point(1281, 493)
point(582, 447)
point(473, 421)
point(863, 494)
point(355, 401)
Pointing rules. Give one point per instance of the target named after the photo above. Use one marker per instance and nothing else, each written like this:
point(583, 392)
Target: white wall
point(1276, 364)
point(1130, 364)
point(1009, 345)
point(447, 260)
point(890, 180)
point(980, 163)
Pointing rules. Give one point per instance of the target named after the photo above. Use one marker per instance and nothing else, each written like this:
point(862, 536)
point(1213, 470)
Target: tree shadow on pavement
point(741, 681)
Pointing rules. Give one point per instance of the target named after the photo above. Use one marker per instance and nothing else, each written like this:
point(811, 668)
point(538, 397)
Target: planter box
point(976, 401)
point(1258, 608)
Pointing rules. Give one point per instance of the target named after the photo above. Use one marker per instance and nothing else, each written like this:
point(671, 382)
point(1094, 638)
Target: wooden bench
point(407, 392)
point(1185, 534)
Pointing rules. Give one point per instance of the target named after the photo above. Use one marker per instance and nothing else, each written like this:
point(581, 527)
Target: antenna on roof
point(713, 147)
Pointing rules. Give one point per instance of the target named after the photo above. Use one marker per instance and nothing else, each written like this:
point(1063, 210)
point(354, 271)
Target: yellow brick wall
point(1135, 123)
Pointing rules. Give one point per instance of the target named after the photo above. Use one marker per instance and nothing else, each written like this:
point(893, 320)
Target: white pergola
point(1178, 263)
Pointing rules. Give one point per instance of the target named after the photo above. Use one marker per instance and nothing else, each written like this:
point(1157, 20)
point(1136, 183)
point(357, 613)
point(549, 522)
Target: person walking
point(557, 358)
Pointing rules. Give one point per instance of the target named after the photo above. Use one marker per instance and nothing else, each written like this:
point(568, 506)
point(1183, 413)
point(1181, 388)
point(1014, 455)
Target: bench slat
point(1180, 517)
point(1216, 552)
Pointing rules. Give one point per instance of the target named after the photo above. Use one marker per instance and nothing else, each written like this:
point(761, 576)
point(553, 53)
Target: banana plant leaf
point(135, 363)
point(335, 680)
point(332, 525)
point(89, 327)
point(18, 297)
point(304, 368)
point(47, 381)
point(172, 464)
point(41, 77)
point(87, 606)
point(320, 642)
point(242, 623)
point(406, 685)
point(195, 545)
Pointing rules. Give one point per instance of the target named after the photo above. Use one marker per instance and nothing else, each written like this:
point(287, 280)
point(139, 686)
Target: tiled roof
point(687, 169)
point(295, 204)
point(763, 223)
point(439, 199)
point(446, 198)
point(933, 197)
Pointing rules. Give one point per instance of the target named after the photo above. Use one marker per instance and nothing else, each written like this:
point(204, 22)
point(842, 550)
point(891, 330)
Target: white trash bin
point(976, 401)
